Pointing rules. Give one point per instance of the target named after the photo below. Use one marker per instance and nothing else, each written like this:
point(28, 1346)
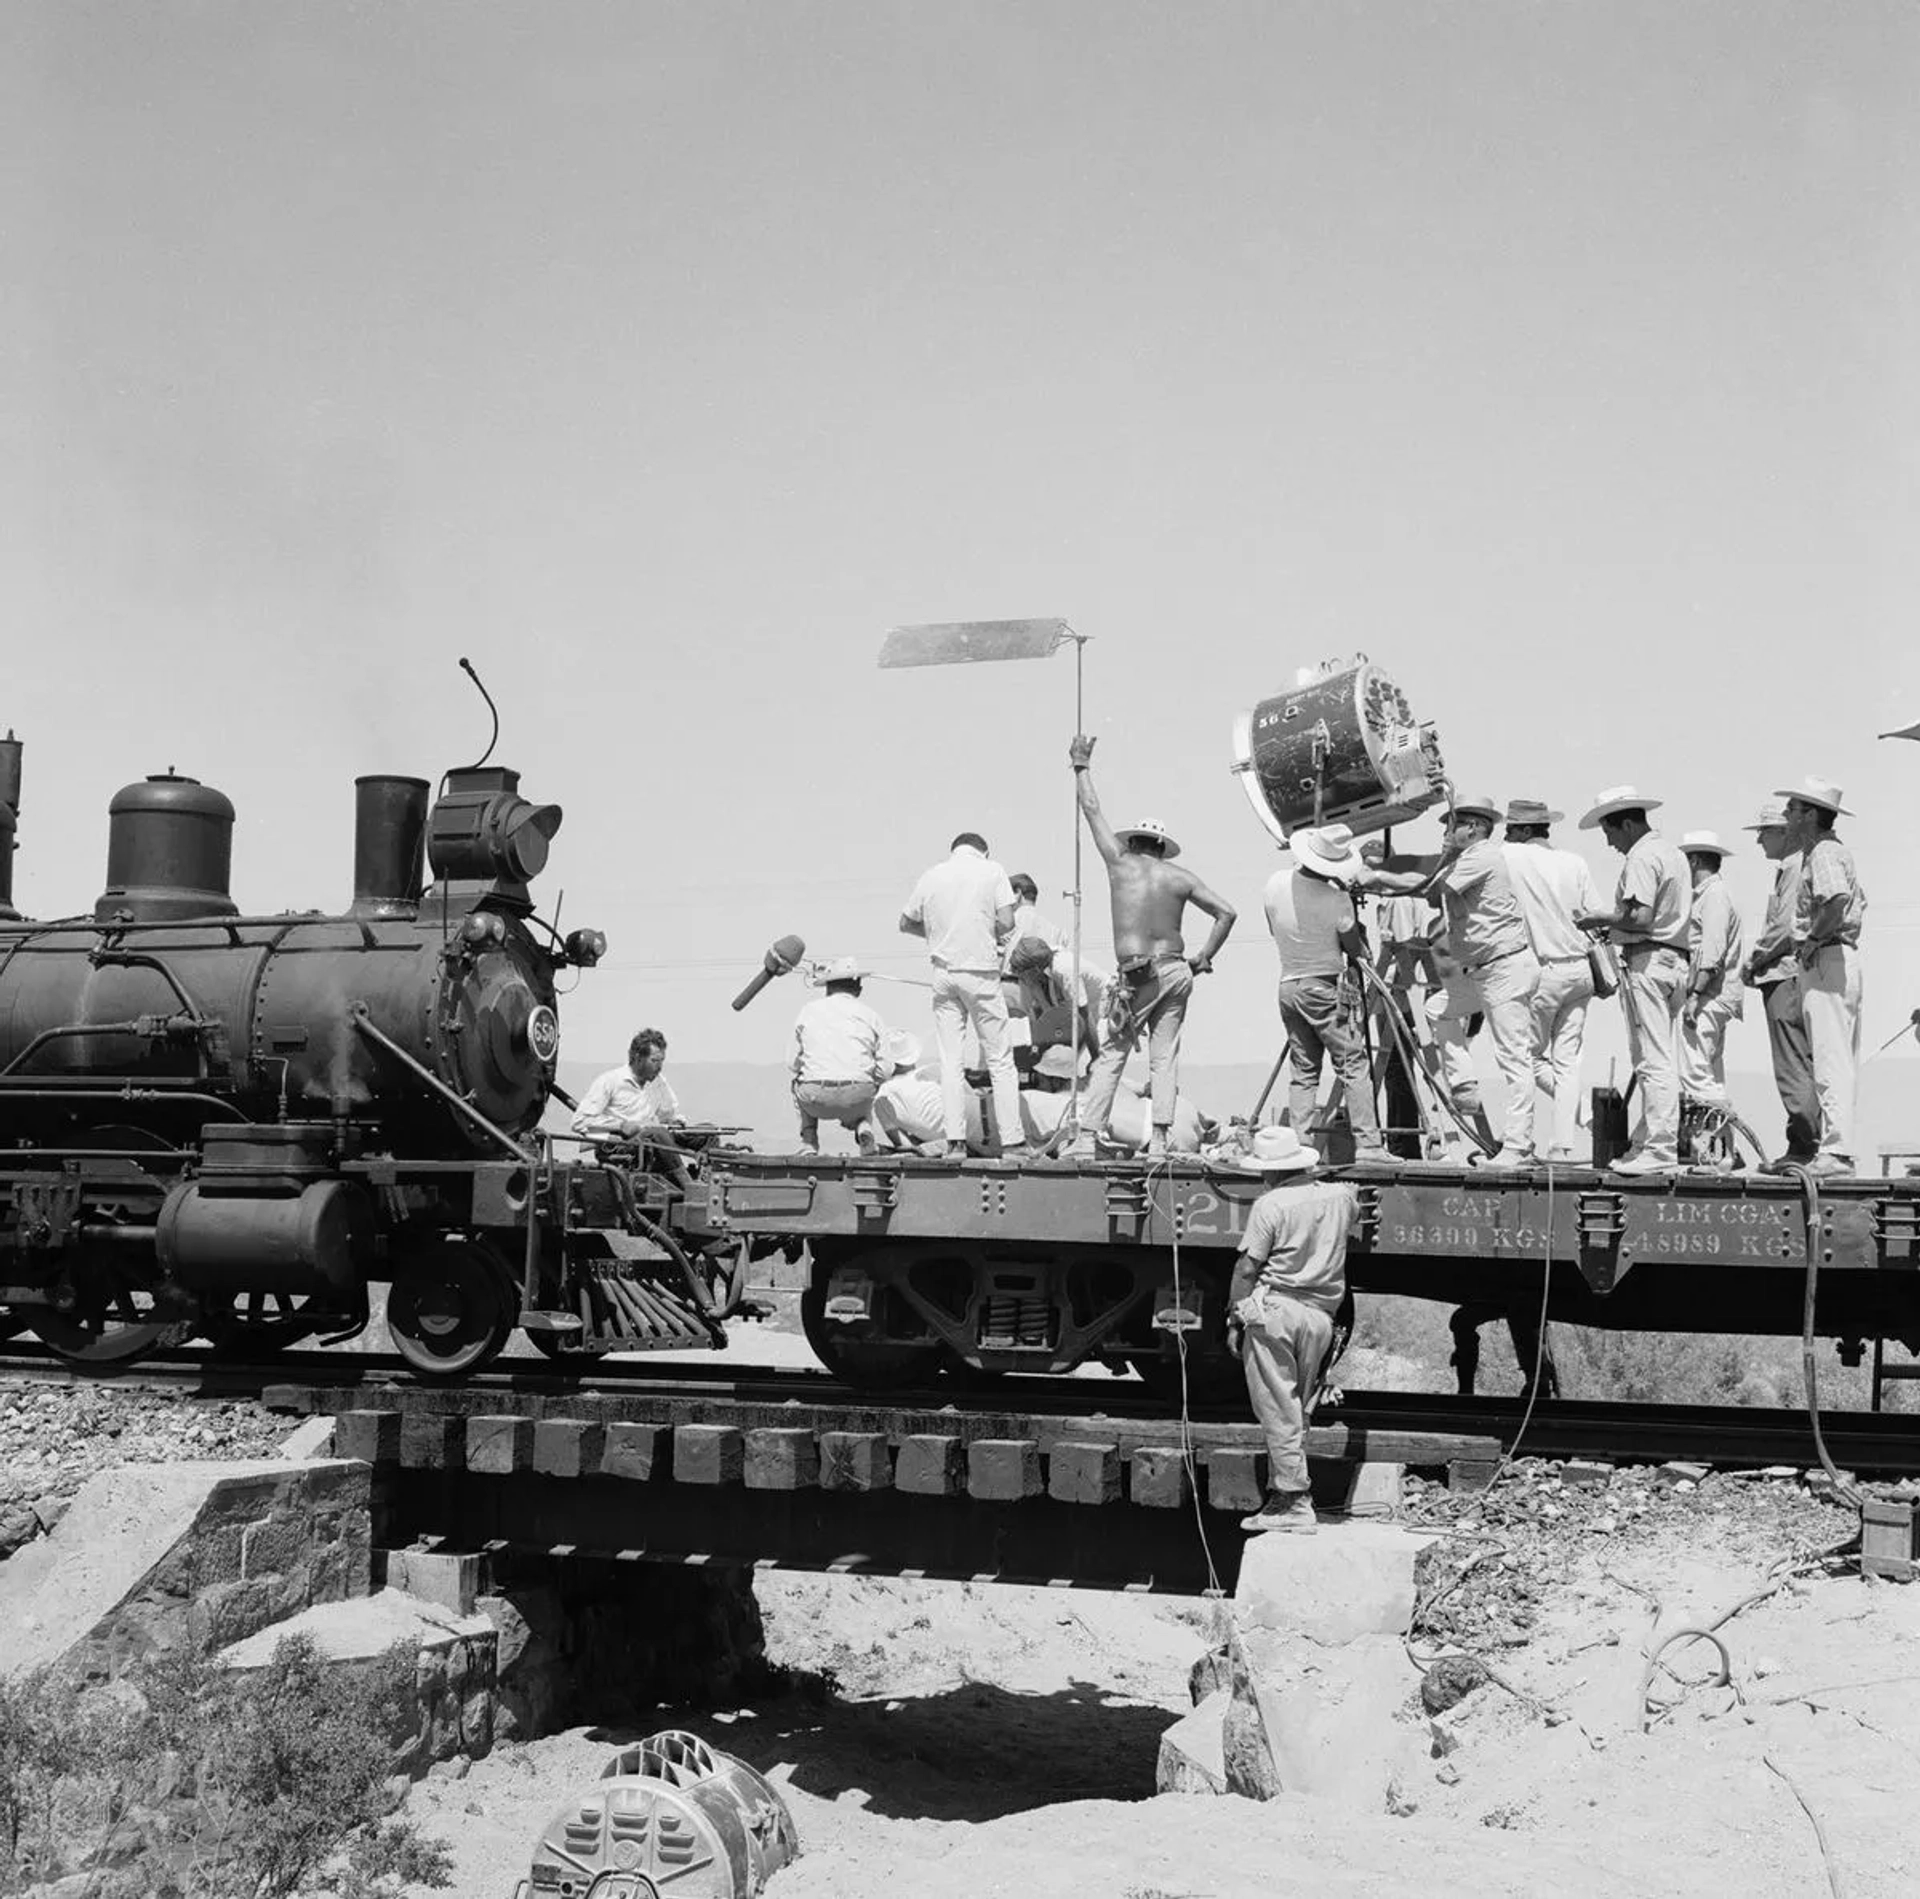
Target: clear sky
point(1562, 357)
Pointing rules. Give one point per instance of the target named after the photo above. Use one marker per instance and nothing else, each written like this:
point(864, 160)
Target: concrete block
point(432, 1440)
point(855, 1460)
point(1003, 1470)
point(1470, 1475)
point(1577, 1470)
point(568, 1447)
point(499, 1446)
point(314, 1438)
point(1377, 1491)
point(288, 1398)
point(929, 1466)
point(450, 1581)
point(782, 1457)
point(634, 1451)
point(1160, 1480)
point(1354, 1578)
point(1193, 1753)
point(1236, 1480)
point(1084, 1473)
point(1681, 1473)
point(371, 1437)
point(707, 1454)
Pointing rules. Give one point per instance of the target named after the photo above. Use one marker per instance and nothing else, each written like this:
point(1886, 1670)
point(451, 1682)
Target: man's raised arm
point(1080, 753)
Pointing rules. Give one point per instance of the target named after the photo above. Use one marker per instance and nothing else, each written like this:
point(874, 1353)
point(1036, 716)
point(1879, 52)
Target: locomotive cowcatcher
point(230, 1125)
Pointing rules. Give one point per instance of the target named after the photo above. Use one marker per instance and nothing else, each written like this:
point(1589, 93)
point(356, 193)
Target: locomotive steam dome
point(169, 852)
point(1342, 745)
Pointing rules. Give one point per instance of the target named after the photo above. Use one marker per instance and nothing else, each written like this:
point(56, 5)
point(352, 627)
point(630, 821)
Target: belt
point(1486, 962)
point(820, 1081)
point(1581, 958)
point(1138, 968)
point(1633, 949)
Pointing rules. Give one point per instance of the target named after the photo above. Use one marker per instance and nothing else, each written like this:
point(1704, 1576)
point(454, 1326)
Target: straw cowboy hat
point(1277, 1151)
point(1704, 843)
point(841, 969)
point(1821, 791)
point(1488, 808)
point(1149, 827)
point(1327, 852)
point(1530, 811)
point(1617, 798)
point(1770, 815)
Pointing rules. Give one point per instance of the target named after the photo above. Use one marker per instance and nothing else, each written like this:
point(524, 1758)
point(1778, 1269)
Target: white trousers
point(961, 996)
point(1505, 990)
point(1830, 1000)
point(1559, 1033)
point(1284, 1347)
point(1700, 1049)
point(1651, 983)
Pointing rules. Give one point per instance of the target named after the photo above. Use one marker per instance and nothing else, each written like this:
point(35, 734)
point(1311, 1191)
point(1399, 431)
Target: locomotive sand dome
point(1342, 745)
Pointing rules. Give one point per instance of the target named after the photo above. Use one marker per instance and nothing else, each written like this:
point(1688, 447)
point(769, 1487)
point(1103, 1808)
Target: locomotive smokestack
point(10, 749)
point(389, 845)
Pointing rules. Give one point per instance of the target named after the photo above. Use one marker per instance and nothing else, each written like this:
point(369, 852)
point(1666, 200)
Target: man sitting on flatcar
point(636, 1102)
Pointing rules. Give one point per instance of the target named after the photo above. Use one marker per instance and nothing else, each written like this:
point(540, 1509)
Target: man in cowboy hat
point(1712, 998)
point(1149, 896)
point(1310, 912)
point(840, 1058)
point(1648, 924)
point(1770, 968)
point(1287, 1285)
point(1554, 886)
point(963, 908)
point(1487, 937)
point(1828, 912)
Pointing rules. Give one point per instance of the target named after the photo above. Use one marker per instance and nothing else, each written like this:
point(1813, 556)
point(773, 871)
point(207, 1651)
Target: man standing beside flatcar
point(1288, 1284)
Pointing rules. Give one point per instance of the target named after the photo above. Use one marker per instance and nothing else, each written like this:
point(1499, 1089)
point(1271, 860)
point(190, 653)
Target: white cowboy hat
point(1821, 791)
point(841, 969)
point(1327, 852)
point(903, 1049)
point(1277, 1151)
point(1617, 798)
point(1149, 827)
point(1478, 808)
point(1770, 815)
point(1706, 842)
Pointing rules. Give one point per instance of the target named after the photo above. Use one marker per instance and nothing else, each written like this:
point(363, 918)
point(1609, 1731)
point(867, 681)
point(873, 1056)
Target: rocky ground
point(969, 1740)
point(54, 1437)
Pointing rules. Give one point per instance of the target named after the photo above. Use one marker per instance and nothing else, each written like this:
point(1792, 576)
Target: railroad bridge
point(1077, 1497)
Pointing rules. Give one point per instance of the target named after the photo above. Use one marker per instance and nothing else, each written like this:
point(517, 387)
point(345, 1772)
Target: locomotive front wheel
point(450, 1311)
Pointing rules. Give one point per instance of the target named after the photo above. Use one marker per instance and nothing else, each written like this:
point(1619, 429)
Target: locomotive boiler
point(229, 1124)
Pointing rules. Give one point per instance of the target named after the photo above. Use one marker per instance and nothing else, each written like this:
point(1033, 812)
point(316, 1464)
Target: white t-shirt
point(1306, 915)
point(1554, 886)
point(957, 902)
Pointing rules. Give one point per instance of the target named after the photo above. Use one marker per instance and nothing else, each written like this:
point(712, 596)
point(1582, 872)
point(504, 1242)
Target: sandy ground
point(996, 1740)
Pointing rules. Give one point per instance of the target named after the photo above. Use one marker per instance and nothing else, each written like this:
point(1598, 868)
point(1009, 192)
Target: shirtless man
point(1156, 974)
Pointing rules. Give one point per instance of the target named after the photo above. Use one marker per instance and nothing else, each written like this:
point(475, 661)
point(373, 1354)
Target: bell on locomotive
point(1341, 745)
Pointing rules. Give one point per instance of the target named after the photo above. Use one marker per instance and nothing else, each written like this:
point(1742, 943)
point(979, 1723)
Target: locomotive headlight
point(584, 948)
point(482, 930)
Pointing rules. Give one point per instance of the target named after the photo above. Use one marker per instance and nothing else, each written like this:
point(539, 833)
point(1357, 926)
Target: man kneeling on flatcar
point(636, 1103)
point(1287, 1287)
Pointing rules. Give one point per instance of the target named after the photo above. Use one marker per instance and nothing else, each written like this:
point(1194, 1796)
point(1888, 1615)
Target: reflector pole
point(1079, 728)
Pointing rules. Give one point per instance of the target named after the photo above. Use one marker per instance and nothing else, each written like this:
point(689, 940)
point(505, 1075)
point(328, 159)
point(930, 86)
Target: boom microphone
point(783, 957)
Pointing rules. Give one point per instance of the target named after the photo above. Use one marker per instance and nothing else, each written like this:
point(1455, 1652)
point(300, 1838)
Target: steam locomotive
point(230, 1125)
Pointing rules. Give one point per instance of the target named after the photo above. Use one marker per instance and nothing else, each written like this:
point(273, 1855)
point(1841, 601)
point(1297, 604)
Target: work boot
point(1019, 1151)
point(1782, 1162)
point(1642, 1163)
point(1080, 1148)
point(1510, 1155)
point(807, 1147)
point(1828, 1167)
point(1371, 1154)
point(1293, 1513)
point(1157, 1144)
point(868, 1145)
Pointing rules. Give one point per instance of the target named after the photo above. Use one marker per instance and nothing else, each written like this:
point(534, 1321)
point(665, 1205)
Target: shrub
point(202, 1782)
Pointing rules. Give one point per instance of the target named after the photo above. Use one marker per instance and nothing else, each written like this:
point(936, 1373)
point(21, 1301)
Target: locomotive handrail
point(125, 1088)
point(138, 959)
point(141, 1026)
point(362, 1018)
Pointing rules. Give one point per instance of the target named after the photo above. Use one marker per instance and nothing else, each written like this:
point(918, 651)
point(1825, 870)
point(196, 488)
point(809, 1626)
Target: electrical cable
point(1810, 1371)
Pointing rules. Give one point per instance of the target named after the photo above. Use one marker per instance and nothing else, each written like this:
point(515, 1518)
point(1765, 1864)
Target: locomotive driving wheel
point(112, 1323)
point(451, 1309)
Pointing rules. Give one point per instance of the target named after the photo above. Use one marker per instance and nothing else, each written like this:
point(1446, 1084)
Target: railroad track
point(1724, 1436)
